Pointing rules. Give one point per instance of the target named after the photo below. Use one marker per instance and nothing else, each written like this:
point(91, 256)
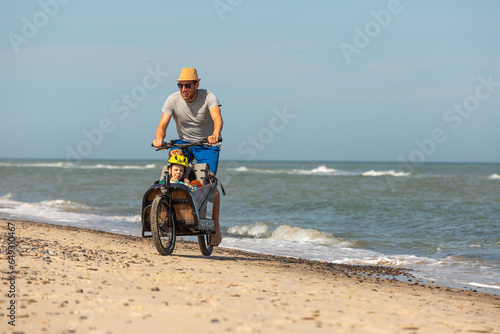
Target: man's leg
point(210, 155)
point(217, 237)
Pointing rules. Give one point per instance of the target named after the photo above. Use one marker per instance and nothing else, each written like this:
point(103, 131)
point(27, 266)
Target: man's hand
point(213, 139)
point(157, 143)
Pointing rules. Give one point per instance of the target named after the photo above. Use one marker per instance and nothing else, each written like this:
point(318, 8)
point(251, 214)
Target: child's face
point(176, 171)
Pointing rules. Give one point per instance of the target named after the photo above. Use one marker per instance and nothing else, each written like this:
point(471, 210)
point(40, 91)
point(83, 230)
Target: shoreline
point(398, 273)
point(74, 280)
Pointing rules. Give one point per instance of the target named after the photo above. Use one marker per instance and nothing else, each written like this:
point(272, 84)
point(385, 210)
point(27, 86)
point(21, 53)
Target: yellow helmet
point(178, 160)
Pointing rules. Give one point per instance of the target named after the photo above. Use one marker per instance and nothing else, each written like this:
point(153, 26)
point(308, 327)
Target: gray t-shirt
point(193, 120)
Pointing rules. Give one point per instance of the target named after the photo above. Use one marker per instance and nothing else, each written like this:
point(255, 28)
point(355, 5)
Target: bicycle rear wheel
point(162, 226)
point(204, 242)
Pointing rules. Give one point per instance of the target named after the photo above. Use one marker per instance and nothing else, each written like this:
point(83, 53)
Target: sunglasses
point(188, 86)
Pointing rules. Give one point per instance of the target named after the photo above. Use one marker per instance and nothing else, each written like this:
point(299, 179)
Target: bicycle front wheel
point(162, 226)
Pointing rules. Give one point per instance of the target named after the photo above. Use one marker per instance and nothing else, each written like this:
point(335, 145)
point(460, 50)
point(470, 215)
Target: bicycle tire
point(162, 226)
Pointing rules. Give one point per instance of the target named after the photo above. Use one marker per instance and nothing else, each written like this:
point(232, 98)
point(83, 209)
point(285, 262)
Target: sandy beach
point(59, 279)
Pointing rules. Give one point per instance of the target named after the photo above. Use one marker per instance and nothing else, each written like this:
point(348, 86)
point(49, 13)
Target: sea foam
point(385, 173)
point(69, 165)
point(262, 230)
point(61, 211)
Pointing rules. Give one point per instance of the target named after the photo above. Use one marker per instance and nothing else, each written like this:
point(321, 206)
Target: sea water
point(442, 221)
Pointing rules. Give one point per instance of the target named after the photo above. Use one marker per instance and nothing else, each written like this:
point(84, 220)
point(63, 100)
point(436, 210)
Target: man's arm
point(161, 130)
point(218, 122)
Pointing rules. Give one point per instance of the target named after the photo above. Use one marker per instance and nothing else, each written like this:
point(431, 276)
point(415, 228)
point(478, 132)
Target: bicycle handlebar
point(172, 143)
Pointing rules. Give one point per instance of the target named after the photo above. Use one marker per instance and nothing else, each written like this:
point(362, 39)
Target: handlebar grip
point(206, 140)
point(163, 146)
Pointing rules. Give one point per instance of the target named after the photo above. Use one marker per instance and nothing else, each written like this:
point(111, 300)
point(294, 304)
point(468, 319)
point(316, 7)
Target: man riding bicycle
point(197, 116)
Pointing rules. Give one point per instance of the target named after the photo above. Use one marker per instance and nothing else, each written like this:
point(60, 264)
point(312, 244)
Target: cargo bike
point(173, 209)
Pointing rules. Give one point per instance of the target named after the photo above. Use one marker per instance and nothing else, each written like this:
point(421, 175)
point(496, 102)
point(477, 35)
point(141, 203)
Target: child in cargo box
point(178, 165)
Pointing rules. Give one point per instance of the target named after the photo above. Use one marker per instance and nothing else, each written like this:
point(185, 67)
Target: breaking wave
point(385, 173)
point(320, 170)
point(61, 211)
point(69, 165)
point(288, 233)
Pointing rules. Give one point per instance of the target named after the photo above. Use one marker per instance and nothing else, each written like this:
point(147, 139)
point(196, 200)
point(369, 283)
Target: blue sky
point(414, 81)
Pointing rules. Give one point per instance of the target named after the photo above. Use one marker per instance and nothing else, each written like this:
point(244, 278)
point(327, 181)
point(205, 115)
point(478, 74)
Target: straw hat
point(188, 74)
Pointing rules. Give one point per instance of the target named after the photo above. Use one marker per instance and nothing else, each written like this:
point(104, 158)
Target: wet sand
point(71, 280)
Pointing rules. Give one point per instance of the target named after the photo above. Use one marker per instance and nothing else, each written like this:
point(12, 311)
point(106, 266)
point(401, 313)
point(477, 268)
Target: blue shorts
point(203, 155)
